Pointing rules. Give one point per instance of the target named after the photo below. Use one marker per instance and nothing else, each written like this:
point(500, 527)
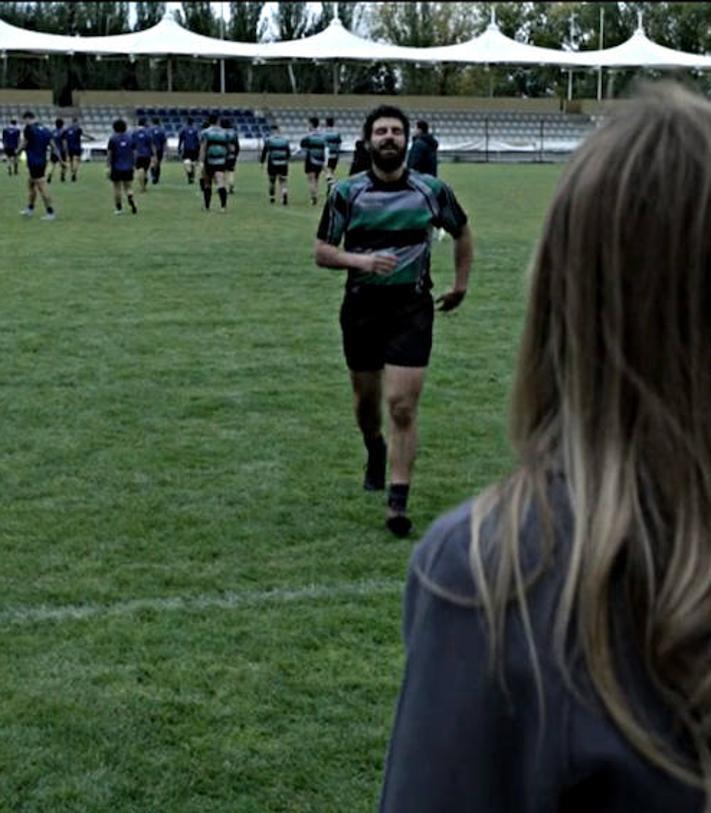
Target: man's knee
point(402, 411)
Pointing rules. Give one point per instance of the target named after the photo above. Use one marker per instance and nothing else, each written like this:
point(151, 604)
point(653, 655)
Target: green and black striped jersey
point(398, 218)
point(314, 145)
point(217, 147)
point(333, 142)
point(276, 151)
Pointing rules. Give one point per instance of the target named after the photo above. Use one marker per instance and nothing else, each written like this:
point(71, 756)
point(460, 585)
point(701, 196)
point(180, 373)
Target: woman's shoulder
point(442, 560)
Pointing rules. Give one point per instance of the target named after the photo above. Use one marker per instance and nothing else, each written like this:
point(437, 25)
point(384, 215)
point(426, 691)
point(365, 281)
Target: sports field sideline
point(199, 606)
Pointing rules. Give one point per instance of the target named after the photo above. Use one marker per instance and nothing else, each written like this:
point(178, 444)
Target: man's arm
point(328, 256)
point(463, 256)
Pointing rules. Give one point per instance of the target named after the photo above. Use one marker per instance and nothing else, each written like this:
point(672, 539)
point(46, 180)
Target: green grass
point(177, 441)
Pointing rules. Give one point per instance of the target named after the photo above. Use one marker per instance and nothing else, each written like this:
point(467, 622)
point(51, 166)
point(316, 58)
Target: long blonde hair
point(613, 390)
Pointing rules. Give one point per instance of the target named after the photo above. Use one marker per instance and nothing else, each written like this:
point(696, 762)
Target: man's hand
point(450, 300)
point(381, 264)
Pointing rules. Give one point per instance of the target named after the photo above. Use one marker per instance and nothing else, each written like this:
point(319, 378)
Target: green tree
point(246, 25)
point(148, 13)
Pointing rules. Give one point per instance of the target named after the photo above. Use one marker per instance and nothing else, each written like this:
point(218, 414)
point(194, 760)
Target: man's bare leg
point(313, 187)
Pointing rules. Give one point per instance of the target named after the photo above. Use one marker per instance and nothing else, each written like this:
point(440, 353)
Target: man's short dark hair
point(423, 126)
point(212, 118)
point(385, 111)
point(142, 122)
point(189, 120)
point(28, 114)
point(156, 120)
point(119, 126)
point(225, 123)
point(13, 120)
point(313, 121)
point(330, 121)
point(59, 123)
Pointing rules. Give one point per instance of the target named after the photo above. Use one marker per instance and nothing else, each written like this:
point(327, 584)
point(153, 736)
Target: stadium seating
point(460, 131)
point(463, 134)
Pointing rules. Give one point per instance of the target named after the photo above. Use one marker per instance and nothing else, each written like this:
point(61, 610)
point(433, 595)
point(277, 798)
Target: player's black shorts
point(387, 324)
point(230, 164)
point(143, 161)
point(75, 153)
point(190, 155)
point(333, 162)
point(211, 169)
point(309, 167)
point(119, 175)
point(55, 159)
point(280, 171)
point(36, 171)
point(10, 152)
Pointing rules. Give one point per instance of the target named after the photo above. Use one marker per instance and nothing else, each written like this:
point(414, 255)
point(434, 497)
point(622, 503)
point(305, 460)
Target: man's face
point(387, 144)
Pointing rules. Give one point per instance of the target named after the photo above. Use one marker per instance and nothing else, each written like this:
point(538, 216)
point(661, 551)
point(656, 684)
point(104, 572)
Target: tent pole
point(170, 75)
point(222, 76)
point(336, 69)
point(570, 85)
point(292, 78)
point(601, 46)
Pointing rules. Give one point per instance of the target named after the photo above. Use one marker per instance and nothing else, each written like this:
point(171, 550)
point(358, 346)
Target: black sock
point(119, 206)
point(202, 183)
point(31, 207)
point(132, 204)
point(222, 192)
point(50, 210)
point(375, 443)
point(207, 195)
point(397, 496)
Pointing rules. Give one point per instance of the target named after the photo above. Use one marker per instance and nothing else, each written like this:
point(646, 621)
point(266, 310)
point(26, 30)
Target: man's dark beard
point(388, 163)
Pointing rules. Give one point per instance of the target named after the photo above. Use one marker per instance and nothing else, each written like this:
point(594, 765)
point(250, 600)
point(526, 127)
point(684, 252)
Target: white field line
point(223, 601)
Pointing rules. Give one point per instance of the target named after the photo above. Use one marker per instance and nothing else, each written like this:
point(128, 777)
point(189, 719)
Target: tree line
point(580, 26)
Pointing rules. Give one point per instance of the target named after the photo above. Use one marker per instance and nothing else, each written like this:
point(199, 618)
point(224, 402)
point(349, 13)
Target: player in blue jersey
point(143, 145)
point(58, 154)
point(276, 152)
point(189, 148)
point(315, 149)
point(120, 161)
point(72, 138)
point(36, 142)
point(10, 144)
point(159, 141)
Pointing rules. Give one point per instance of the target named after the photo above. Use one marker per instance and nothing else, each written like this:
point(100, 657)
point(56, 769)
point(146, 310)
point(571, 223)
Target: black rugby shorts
point(387, 324)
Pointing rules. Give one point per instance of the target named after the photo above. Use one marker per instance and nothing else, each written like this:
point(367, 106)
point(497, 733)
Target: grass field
point(199, 606)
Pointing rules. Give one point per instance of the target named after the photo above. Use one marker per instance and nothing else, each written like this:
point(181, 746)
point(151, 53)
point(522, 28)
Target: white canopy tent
point(640, 52)
point(166, 38)
point(335, 43)
point(494, 48)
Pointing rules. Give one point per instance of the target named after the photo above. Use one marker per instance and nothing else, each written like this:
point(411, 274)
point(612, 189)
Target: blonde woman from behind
point(558, 628)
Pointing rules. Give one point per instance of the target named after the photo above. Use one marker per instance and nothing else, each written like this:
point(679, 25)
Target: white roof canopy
point(337, 43)
point(334, 42)
point(493, 47)
point(640, 51)
point(165, 38)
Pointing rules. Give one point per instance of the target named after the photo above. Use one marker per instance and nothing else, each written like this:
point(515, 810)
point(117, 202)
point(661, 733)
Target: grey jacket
point(461, 742)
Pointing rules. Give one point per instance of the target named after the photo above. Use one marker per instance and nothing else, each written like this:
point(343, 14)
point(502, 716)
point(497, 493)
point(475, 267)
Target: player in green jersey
point(385, 218)
point(333, 143)
point(276, 152)
point(214, 152)
point(315, 151)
